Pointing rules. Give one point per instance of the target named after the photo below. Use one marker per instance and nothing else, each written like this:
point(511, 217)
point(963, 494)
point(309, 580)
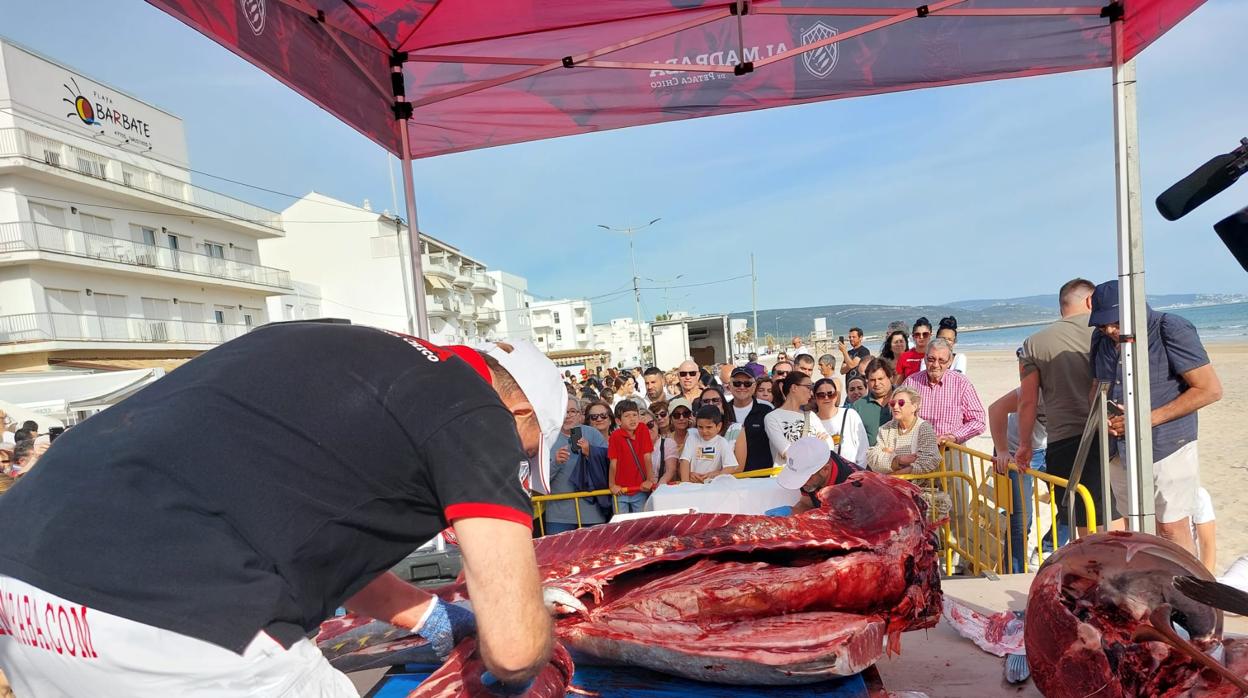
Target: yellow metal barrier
point(540, 500)
point(993, 504)
point(976, 532)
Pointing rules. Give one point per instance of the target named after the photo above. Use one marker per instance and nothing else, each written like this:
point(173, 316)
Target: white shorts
point(1176, 481)
point(1204, 508)
point(51, 647)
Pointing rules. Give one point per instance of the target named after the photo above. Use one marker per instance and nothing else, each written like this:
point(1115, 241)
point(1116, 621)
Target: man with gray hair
point(949, 400)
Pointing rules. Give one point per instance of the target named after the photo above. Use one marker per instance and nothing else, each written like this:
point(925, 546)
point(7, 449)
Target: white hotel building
point(108, 252)
point(357, 260)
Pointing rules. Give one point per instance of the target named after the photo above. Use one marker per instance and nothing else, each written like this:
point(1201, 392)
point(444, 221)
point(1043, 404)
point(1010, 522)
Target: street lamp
point(628, 232)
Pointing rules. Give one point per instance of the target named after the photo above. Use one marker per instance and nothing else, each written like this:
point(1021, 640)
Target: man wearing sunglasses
point(688, 376)
point(752, 447)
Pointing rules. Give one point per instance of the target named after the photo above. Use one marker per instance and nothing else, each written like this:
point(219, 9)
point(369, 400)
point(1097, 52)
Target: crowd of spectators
point(888, 412)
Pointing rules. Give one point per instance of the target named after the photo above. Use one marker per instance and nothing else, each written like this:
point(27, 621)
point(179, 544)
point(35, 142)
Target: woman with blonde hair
point(906, 444)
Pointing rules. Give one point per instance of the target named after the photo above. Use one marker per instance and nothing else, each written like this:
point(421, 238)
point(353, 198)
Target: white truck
point(705, 339)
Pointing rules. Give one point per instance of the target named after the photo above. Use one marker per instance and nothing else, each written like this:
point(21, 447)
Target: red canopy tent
point(428, 77)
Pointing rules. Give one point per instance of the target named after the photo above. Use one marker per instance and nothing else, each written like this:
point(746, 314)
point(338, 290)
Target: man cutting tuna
point(186, 541)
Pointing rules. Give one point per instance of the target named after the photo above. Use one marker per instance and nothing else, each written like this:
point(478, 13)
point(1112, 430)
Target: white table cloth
point(724, 495)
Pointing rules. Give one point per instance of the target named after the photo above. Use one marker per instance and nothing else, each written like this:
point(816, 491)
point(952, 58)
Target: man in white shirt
point(707, 455)
point(799, 348)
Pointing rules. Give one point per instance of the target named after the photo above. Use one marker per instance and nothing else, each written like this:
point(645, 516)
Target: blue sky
point(992, 190)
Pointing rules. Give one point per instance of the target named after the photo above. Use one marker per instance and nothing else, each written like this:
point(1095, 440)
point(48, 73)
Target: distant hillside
point(1164, 300)
point(971, 314)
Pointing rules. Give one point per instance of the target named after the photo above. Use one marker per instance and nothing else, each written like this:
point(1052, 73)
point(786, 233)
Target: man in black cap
point(1181, 381)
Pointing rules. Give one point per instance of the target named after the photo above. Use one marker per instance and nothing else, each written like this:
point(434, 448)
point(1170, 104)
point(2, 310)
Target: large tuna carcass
point(748, 600)
point(1093, 601)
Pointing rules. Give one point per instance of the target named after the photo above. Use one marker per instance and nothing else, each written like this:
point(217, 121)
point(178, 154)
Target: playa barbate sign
point(71, 101)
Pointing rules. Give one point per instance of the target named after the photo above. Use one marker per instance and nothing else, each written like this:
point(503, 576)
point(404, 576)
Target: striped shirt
point(952, 406)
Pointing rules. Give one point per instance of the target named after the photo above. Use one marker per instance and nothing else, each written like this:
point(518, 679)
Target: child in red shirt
point(629, 450)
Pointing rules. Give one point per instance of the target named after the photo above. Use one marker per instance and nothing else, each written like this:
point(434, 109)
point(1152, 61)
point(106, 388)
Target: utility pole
point(754, 301)
point(628, 232)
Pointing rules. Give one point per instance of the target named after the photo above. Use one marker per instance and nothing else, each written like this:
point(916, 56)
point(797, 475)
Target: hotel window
point(556, 317)
point(96, 225)
point(214, 249)
point(558, 335)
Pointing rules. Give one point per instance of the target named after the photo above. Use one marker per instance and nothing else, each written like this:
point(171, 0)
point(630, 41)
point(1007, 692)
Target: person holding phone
point(855, 357)
point(569, 450)
point(1181, 381)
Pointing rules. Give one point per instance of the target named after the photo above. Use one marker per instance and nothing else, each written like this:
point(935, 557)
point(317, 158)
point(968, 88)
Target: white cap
point(542, 384)
point(803, 459)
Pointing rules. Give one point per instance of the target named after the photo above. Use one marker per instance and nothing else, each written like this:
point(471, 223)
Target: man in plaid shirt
point(949, 402)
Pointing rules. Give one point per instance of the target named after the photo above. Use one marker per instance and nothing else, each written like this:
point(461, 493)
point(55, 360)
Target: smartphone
point(1114, 409)
point(841, 339)
point(574, 441)
point(54, 432)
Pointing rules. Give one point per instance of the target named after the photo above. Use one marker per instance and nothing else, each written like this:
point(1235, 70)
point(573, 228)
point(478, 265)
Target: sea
point(1215, 323)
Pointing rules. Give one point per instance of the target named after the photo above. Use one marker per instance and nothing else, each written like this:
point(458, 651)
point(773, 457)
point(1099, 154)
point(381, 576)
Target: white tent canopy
point(61, 396)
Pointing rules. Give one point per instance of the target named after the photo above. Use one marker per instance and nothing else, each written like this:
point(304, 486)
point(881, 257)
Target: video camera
point(1204, 183)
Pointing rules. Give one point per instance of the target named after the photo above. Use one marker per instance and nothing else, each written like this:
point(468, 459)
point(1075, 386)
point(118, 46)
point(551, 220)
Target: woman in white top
point(849, 436)
point(794, 418)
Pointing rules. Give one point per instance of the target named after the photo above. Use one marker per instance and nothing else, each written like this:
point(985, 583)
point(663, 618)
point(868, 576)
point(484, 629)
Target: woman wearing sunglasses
point(681, 414)
point(906, 443)
point(598, 415)
point(911, 362)
point(713, 395)
point(849, 436)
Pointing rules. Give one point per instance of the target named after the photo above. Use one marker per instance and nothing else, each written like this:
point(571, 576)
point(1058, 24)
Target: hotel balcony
point(70, 330)
point(542, 318)
point(488, 315)
point(442, 307)
point(24, 241)
point(482, 283)
point(463, 277)
point(60, 160)
point(438, 265)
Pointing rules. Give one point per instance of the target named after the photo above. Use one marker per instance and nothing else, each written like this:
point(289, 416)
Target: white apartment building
point(107, 250)
point(562, 325)
point(512, 304)
point(358, 261)
point(620, 338)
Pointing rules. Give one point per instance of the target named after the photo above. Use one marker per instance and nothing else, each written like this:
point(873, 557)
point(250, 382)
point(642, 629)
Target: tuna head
point(1087, 601)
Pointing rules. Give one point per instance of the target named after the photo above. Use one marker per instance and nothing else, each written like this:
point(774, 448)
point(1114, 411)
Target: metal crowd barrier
point(540, 500)
point(975, 530)
point(981, 530)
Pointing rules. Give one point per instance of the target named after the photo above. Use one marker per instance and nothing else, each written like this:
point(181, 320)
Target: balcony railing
point(25, 235)
point(49, 151)
point(74, 327)
point(482, 283)
point(438, 264)
point(489, 315)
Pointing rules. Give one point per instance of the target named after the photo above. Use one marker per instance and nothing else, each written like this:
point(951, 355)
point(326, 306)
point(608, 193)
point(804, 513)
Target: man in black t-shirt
point(223, 512)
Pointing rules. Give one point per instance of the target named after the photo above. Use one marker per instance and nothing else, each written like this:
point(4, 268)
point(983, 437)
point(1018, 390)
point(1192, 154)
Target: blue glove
point(498, 688)
point(446, 625)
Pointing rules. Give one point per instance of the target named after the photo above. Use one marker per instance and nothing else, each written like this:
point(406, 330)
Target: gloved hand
point(445, 625)
point(498, 688)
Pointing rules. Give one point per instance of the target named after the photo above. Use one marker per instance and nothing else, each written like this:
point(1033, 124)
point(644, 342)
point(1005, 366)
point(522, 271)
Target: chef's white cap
point(543, 387)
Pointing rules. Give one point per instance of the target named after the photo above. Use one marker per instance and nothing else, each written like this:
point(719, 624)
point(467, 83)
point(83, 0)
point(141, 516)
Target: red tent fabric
point(481, 73)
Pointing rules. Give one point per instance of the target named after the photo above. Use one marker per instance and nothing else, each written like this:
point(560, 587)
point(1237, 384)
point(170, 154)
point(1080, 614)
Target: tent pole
point(1133, 325)
point(418, 319)
point(421, 320)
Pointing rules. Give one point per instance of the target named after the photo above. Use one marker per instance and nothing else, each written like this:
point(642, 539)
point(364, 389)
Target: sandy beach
point(1224, 467)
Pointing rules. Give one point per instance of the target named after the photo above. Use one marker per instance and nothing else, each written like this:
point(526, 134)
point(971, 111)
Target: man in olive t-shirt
point(1058, 361)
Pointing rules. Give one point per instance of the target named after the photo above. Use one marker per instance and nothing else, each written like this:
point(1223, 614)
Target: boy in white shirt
point(707, 455)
